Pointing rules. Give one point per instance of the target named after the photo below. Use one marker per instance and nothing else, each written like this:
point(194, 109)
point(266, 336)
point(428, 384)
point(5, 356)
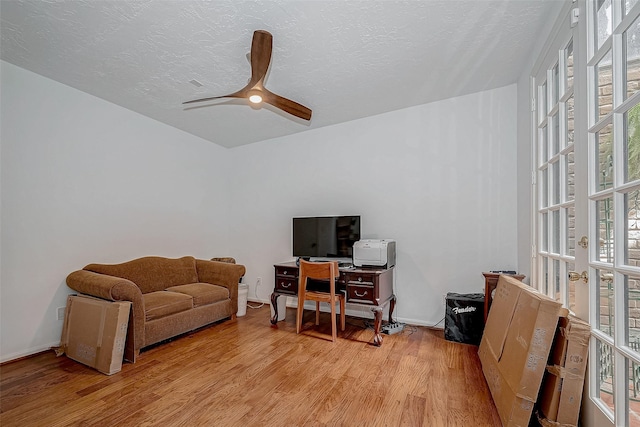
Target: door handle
point(575, 276)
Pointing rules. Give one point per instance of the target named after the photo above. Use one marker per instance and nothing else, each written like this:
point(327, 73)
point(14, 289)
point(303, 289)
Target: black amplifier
point(464, 318)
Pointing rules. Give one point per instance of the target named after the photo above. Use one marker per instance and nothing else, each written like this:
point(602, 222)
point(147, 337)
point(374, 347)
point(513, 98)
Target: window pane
point(604, 92)
point(632, 233)
point(628, 4)
point(570, 111)
point(568, 55)
point(632, 147)
point(632, 303)
point(632, 53)
point(556, 232)
point(604, 210)
point(605, 308)
point(603, 18)
point(571, 232)
point(604, 167)
point(605, 373)
point(555, 191)
point(570, 184)
point(571, 289)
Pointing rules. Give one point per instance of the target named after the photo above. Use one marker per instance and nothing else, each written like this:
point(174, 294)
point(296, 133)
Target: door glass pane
point(632, 232)
point(555, 170)
point(632, 58)
point(544, 189)
point(570, 111)
point(633, 392)
point(545, 276)
point(555, 136)
point(542, 102)
point(632, 147)
point(571, 289)
point(628, 4)
point(604, 211)
point(556, 279)
point(571, 232)
point(545, 232)
point(604, 90)
point(603, 17)
point(569, 166)
point(555, 85)
point(568, 55)
point(542, 137)
point(632, 303)
point(604, 166)
point(605, 373)
point(606, 314)
point(555, 236)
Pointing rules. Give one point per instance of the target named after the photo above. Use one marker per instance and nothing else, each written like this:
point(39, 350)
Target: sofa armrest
point(223, 274)
point(114, 289)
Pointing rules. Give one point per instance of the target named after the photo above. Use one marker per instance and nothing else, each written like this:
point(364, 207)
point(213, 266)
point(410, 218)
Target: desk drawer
point(286, 271)
point(361, 293)
point(287, 284)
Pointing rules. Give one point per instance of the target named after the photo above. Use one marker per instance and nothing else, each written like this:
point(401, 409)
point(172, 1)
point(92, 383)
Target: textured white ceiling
point(343, 59)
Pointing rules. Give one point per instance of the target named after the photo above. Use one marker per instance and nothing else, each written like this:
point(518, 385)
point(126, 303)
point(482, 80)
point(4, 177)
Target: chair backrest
point(318, 270)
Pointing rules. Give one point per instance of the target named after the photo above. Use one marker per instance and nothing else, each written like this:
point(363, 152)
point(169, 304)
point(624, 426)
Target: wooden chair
point(323, 271)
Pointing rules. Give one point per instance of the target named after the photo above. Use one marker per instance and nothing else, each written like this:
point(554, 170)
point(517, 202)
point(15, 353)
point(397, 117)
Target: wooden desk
point(363, 286)
point(490, 283)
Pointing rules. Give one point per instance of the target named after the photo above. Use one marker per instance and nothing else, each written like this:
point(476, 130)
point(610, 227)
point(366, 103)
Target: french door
point(587, 168)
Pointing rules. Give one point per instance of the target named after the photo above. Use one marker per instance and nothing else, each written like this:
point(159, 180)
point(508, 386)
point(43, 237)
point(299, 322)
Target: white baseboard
point(26, 353)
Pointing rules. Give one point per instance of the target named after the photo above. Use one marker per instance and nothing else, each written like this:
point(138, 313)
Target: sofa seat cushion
point(161, 303)
point(202, 293)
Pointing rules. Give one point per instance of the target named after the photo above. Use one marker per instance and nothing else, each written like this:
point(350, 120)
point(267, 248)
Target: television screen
point(325, 236)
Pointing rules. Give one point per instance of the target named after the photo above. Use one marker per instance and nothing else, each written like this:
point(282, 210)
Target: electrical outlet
point(258, 282)
point(60, 313)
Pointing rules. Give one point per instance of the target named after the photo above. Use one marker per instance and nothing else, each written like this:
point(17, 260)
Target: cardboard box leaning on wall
point(94, 332)
point(515, 347)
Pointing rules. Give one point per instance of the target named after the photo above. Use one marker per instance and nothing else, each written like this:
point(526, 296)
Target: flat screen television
point(325, 236)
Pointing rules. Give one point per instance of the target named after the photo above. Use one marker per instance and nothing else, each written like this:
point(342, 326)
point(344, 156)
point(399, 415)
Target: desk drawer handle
point(285, 285)
point(359, 279)
point(285, 272)
point(358, 295)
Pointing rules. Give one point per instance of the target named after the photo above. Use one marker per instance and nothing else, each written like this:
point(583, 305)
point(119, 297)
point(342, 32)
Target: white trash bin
point(243, 292)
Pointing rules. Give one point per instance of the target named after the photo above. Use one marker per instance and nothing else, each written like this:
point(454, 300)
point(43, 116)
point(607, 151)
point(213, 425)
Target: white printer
point(374, 253)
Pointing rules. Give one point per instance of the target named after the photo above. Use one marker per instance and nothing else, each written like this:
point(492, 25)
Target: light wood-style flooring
point(247, 373)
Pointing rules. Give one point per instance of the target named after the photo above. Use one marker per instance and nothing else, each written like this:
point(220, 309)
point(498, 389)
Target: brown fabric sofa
point(169, 296)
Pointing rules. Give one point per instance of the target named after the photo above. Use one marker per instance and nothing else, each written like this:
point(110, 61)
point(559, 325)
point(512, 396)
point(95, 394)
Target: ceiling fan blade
point(287, 105)
point(239, 94)
point(261, 47)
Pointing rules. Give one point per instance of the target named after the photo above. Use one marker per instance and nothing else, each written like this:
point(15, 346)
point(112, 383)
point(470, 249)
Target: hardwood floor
point(246, 373)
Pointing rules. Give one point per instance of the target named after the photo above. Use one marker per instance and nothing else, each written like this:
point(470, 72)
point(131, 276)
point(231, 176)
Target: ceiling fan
point(255, 91)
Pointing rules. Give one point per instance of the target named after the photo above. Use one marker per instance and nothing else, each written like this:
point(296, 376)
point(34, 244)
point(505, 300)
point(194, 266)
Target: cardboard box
point(561, 394)
point(515, 347)
point(95, 331)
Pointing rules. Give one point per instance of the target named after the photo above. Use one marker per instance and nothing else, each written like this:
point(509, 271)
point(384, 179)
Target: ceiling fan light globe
point(256, 98)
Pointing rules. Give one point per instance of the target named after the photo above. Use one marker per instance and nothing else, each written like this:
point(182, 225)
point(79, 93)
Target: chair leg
point(317, 313)
point(299, 313)
point(333, 321)
point(342, 314)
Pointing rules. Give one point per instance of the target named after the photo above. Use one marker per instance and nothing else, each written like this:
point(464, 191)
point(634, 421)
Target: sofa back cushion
point(152, 274)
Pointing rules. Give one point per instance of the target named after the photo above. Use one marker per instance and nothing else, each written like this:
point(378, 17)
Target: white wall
point(439, 178)
point(83, 180)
